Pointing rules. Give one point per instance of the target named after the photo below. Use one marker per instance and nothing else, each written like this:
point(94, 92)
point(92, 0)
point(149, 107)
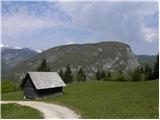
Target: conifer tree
point(61, 74)
point(108, 76)
point(81, 76)
point(156, 68)
point(148, 72)
point(68, 77)
point(44, 67)
point(103, 75)
point(98, 75)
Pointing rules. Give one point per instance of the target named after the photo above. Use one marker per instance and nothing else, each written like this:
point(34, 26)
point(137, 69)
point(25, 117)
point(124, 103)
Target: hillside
point(10, 57)
point(113, 56)
point(146, 59)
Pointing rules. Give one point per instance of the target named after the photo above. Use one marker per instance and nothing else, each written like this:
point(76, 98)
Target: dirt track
point(49, 110)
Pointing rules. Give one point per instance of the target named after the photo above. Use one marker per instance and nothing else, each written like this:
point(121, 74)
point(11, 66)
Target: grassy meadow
point(16, 111)
point(107, 99)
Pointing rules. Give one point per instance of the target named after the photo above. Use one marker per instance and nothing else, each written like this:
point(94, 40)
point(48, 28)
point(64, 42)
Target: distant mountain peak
point(9, 47)
point(5, 46)
point(39, 51)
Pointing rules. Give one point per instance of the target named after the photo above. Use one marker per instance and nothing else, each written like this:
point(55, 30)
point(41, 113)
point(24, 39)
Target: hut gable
point(27, 82)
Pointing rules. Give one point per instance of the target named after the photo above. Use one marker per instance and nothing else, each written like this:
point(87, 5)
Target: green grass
point(107, 99)
point(12, 96)
point(16, 111)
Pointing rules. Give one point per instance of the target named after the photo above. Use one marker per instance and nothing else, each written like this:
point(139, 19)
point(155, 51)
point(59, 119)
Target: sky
point(46, 24)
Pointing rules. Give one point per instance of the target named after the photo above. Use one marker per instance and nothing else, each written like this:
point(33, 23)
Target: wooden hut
point(42, 84)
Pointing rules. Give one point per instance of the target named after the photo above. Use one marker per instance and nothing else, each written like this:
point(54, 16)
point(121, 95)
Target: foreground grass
point(101, 99)
point(12, 96)
point(16, 111)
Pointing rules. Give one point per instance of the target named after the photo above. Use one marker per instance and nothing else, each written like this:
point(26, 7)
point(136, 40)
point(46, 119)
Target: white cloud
point(54, 23)
point(28, 17)
point(17, 24)
point(113, 20)
point(151, 34)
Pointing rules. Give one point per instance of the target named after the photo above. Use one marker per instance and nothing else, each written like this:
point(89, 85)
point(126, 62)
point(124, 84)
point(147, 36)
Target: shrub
point(143, 77)
point(118, 77)
point(138, 75)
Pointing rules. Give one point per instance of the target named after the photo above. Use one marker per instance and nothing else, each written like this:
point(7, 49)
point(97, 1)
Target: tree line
point(138, 74)
point(66, 74)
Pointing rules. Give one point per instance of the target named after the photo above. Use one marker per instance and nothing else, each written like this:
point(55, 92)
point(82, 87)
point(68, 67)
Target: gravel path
point(49, 110)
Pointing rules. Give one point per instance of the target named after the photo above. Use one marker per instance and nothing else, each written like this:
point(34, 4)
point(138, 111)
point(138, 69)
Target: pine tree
point(148, 72)
point(44, 67)
point(156, 68)
point(103, 75)
point(98, 75)
point(61, 74)
point(68, 77)
point(108, 74)
point(108, 77)
point(81, 76)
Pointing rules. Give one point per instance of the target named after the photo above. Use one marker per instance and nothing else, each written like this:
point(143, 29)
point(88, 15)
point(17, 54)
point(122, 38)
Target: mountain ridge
point(109, 56)
point(10, 57)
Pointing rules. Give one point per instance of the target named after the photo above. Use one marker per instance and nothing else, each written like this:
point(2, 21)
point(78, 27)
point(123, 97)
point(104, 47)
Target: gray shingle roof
point(43, 80)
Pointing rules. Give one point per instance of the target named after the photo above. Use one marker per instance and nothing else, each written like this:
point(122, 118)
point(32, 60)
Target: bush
point(118, 77)
point(137, 75)
point(143, 77)
point(7, 86)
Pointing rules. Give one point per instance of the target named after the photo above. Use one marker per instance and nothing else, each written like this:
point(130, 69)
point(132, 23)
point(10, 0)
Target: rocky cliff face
point(113, 56)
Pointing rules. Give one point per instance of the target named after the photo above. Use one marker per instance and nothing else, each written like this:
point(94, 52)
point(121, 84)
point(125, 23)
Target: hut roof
point(43, 80)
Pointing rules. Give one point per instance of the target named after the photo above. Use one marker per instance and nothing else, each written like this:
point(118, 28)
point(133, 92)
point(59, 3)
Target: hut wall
point(50, 91)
